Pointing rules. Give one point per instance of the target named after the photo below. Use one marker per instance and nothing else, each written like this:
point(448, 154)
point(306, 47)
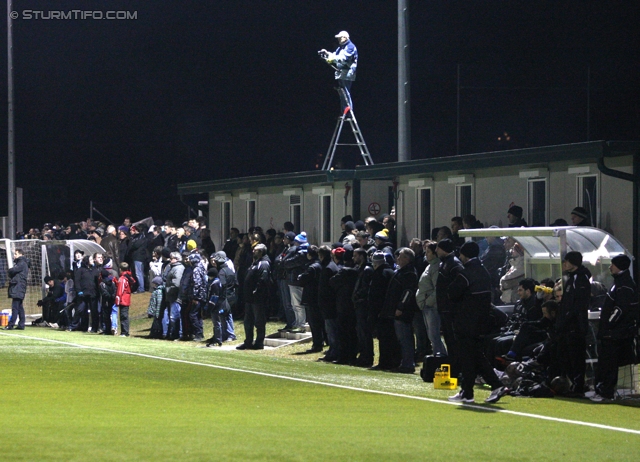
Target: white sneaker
point(596, 398)
point(495, 395)
point(460, 398)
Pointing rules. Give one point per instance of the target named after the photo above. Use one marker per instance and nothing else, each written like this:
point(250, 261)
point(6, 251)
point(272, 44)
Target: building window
point(537, 202)
point(251, 214)
point(424, 213)
point(325, 219)
point(225, 219)
point(464, 200)
point(588, 196)
point(295, 212)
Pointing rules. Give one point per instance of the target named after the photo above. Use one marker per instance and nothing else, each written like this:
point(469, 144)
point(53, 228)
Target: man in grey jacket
point(171, 326)
point(426, 299)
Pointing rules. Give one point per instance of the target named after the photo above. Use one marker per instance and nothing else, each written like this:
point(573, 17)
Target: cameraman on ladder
point(345, 61)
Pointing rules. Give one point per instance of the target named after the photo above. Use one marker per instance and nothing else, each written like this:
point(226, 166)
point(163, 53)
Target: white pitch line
point(345, 387)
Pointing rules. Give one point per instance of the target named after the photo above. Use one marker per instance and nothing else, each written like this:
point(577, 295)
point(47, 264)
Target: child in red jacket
point(123, 298)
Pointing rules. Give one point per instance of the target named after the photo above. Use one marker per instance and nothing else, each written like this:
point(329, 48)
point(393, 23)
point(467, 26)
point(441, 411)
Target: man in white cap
point(345, 61)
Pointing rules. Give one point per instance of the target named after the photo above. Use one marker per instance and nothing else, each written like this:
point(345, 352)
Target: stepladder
point(347, 116)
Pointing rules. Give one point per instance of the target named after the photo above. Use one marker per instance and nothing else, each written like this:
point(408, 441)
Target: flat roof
point(587, 151)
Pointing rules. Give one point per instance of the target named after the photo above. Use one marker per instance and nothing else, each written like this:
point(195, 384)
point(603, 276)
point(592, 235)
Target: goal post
point(47, 258)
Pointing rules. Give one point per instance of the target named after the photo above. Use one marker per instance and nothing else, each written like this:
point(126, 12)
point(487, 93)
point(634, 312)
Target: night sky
point(121, 111)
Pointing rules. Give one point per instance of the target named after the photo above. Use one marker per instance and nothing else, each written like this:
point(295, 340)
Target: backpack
point(134, 285)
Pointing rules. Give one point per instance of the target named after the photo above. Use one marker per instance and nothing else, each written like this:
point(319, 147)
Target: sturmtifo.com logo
point(40, 15)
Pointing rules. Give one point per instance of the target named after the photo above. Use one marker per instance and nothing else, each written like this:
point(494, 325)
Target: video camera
point(323, 54)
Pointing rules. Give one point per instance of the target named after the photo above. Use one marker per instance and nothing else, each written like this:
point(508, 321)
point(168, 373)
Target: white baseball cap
point(342, 33)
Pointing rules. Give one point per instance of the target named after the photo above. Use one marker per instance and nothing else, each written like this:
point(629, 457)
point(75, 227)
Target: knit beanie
point(622, 262)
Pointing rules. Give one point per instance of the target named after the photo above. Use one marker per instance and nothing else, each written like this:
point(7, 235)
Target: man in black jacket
point(138, 252)
point(310, 280)
point(52, 303)
point(471, 293)
point(572, 322)
point(256, 294)
point(364, 315)
point(618, 326)
point(449, 268)
point(327, 302)
point(86, 286)
point(400, 305)
point(18, 288)
point(390, 354)
point(343, 284)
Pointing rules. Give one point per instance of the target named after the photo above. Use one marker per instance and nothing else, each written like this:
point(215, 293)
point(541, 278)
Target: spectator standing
point(427, 301)
point(327, 302)
point(123, 298)
point(295, 263)
point(18, 273)
point(256, 290)
point(448, 270)
point(387, 341)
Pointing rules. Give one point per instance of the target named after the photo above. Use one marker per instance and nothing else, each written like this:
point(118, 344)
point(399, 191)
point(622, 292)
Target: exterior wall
point(374, 192)
point(494, 189)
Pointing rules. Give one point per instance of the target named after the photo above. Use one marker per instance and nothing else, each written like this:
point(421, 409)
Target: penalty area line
point(335, 385)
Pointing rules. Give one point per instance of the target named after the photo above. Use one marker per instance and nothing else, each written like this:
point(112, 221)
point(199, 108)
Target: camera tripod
point(348, 116)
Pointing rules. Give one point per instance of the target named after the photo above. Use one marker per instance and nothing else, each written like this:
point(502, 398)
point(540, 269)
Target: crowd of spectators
point(443, 296)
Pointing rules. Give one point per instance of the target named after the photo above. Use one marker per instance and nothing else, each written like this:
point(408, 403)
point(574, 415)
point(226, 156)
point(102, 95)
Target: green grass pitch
point(64, 402)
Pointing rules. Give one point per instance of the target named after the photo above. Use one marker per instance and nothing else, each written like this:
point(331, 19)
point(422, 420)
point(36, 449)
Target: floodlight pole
point(404, 107)
point(10, 232)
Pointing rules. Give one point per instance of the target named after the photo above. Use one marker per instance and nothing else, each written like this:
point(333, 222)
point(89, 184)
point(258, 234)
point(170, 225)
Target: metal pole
point(588, 102)
point(10, 232)
point(458, 115)
point(404, 108)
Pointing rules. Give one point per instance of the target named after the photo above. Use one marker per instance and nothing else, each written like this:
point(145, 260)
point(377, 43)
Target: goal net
point(47, 258)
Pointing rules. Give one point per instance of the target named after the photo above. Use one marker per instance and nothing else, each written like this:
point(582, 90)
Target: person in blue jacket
point(344, 61)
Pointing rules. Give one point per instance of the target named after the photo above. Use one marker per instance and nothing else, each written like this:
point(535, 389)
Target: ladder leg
point(328, 160)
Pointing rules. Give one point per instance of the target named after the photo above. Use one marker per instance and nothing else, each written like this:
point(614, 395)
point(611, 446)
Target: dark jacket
point(230, 247)
point(111, 246)
point(378, 288)
point(295, 262)
point(278, 271)
point(326, 294)
point(86, 282)
point(310, 280)
point(360, 294)
point(401, 294)
point(574, 306)
point(256, 282)
point(172, 242)
point(528, 309)
point(493, 259)
point(18, 274)
point(519, 224)
point(620, 312)
point(471, 293)
point(228, 285)
point(185, 291)
point(449, 268)
point(343, 283)
point(138, 248)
